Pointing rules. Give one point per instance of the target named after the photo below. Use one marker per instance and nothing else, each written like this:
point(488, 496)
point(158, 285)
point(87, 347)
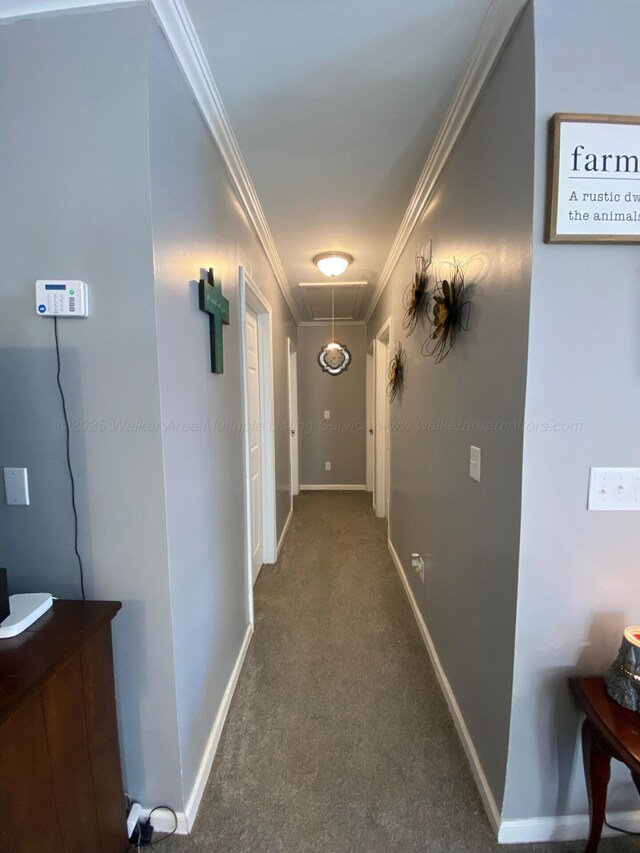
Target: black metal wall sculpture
point(449, 312)
point(416, 296)
point(396, 372)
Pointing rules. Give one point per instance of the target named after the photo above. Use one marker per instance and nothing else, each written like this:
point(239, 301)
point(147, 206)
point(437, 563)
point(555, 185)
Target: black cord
point(150, 845)
point(618, 829)
point(73, 482)
point(169, 834)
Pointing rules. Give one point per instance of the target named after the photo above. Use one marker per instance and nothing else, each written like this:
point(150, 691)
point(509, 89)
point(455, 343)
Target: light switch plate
point(327, 466)
point(614, 489)
point(327, 414)
point(16, 486)
point(475, 460)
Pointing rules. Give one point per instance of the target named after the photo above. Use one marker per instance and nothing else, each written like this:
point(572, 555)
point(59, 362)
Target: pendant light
point(334, 357)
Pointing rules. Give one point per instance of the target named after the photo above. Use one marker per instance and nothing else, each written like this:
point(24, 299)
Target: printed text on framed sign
point(593, 179)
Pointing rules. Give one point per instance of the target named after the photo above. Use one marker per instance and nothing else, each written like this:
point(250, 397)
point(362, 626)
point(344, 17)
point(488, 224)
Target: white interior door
point(293, 421)
point(370, 421)
point(387, 450)
point(255, 442)
point(381, 454)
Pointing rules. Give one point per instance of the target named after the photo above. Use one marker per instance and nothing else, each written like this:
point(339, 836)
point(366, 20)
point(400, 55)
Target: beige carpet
point(338, 739)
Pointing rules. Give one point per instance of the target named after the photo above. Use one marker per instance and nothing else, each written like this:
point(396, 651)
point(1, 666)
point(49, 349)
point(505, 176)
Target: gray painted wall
point(196, 224)
point(74, 203)
point(125, 178)
point(579, 581)
point(342, 439)
point(482, 208)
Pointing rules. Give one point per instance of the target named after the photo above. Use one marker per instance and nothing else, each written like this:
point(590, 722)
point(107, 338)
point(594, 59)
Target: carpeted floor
point(338, 739)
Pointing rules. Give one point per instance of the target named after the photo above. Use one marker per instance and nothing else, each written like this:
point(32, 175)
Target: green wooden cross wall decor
point(217, 307)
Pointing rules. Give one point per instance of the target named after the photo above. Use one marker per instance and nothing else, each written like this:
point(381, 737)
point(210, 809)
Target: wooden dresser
point(60, 776)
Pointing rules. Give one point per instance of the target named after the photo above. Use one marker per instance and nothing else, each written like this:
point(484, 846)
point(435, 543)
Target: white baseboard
point(518, 831)
point(320, 487)
point(562, 828)
point(476, 767)
point(284, 532)
point(187, 818)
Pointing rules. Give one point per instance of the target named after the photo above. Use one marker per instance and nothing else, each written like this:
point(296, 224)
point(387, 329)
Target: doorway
point(370, 420)
point(294, 451)
point(259, 433)
point(381, 434)
point(255, 423)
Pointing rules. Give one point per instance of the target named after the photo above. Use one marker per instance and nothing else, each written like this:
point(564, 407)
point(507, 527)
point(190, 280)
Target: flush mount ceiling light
point(332, 263)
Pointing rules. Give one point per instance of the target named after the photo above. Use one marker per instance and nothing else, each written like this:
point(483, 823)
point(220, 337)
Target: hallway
point(338, 739)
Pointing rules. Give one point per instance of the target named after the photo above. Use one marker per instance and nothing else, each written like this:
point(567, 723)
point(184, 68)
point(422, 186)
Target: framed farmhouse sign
point(594, 179)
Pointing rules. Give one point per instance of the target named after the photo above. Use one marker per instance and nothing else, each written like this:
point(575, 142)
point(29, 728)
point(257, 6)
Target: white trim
point(193, 802)
point(251, 295)
point(334, 487)
point(294, 418)
point(178, 27)
point(496, 26)
point(381, 421)
point(284, 532)
point(562, 828)
point(469, 748)
point(163, 821)
point(370, 437)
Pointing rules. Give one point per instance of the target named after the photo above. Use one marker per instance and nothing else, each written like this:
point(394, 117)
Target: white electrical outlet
point(327, 414)
point(417, 564)
point(327, 466)
point(16, 486)
point(475, 463)
point(614, 489)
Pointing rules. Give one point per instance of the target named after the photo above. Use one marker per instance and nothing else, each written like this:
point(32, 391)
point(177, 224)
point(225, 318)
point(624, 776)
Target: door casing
point(294, 449)
point(382, 443)
point(251, 296)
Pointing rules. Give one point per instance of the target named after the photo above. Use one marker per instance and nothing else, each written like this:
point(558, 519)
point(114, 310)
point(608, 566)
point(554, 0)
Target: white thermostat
point(61, 298)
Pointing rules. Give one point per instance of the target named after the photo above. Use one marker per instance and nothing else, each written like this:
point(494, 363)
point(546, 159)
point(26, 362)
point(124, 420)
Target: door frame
point(294, 447)
point(382, 442)
point(252, 297)
point(369, 417)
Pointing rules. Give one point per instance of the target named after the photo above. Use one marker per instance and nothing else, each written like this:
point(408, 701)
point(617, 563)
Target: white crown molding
point(496, 26)
point(180, 32)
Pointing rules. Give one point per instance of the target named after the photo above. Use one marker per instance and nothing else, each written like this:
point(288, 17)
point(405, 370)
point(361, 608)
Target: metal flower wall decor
point(449, 311)
point(416, 295)
point(396, 372)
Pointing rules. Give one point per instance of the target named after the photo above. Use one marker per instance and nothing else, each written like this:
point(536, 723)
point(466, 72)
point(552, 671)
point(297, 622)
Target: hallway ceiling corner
point(338, 107)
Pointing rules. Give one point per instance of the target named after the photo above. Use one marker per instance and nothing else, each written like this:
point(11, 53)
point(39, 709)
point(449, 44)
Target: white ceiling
point(335, 104)
point(342, 302)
